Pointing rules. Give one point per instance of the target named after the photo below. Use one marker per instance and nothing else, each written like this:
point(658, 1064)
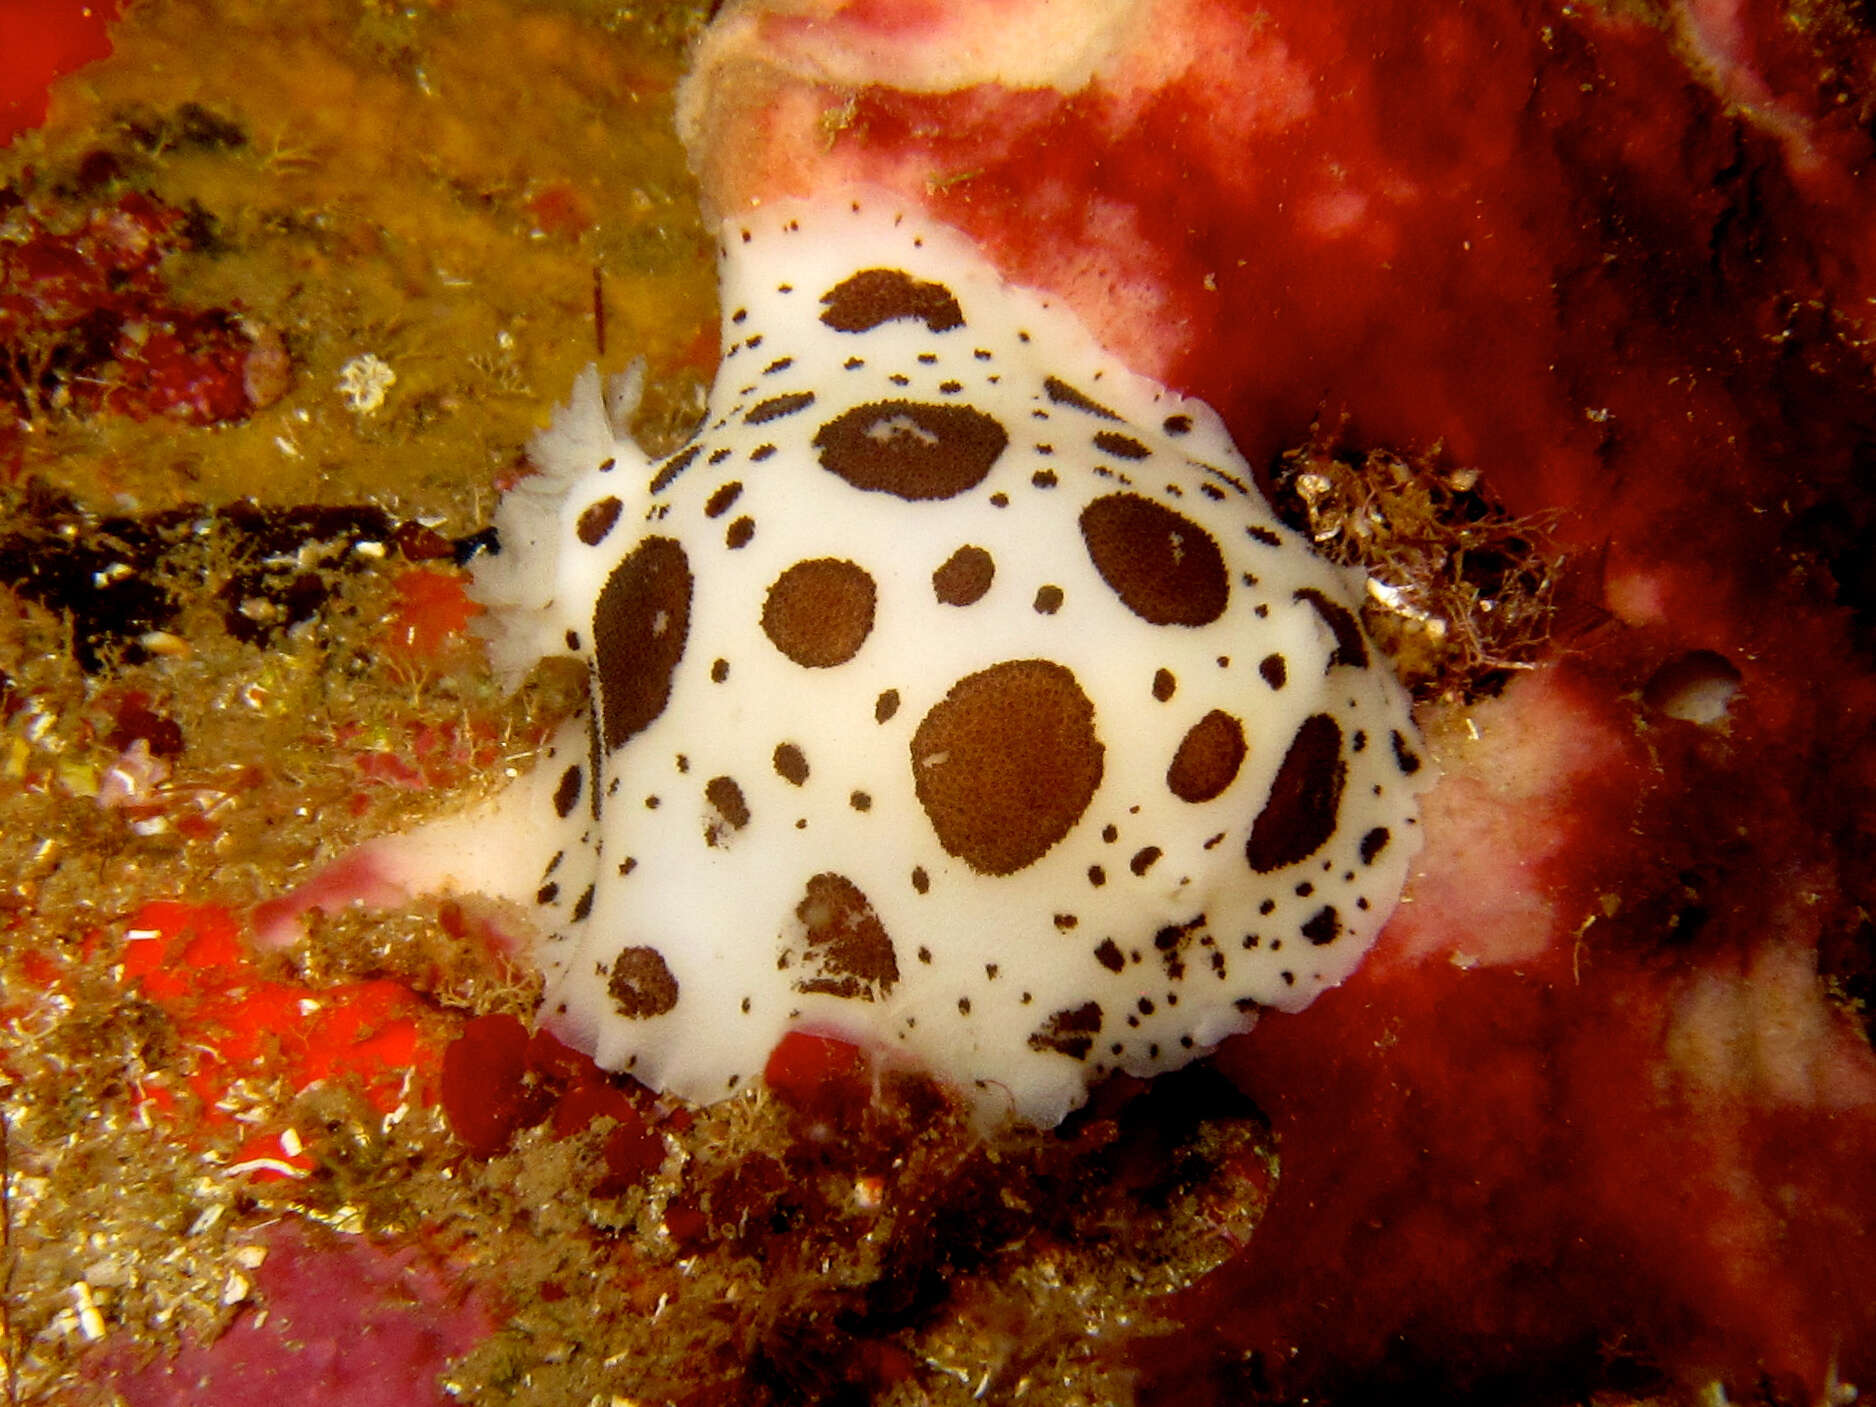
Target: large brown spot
point(912, 450)
point(1300, 816)
point(875, 296)
point(964, 578)
point(1164, 567)
point(1070, 1031)
point(1006, 762)
point(1208, 757)
point(848, 951)
point(819, 612)
point(641, 985)
point(639, 626)
point(1349, 646)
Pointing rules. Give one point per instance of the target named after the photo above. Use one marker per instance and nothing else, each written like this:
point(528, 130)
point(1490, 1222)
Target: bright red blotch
point(432, 610)
point(487, 1091)
point(822, 1077)
point(194, 961)
point(498, 1080)
point(42, 40)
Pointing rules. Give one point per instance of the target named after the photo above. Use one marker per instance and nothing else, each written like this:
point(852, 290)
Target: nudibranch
point(953, 690)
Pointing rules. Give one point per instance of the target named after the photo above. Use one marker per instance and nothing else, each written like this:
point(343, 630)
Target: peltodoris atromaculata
point(953, 690)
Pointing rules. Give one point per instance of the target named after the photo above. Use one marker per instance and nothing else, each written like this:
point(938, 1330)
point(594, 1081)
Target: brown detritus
point(124, 581)
point(1460, 593)
point(885, 1242)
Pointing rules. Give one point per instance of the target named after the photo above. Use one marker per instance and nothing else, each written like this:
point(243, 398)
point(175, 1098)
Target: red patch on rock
point(498, 1079)
point(194, 961)
point(90, 313)
point(821, 1077)
point(43, 40)
point(431, 612)
point(345, 1321)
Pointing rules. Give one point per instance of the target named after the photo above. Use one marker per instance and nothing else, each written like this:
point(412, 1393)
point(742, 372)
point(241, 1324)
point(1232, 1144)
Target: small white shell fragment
point(954, 690)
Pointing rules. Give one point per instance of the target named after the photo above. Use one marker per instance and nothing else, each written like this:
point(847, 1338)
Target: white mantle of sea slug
point(954, 690)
